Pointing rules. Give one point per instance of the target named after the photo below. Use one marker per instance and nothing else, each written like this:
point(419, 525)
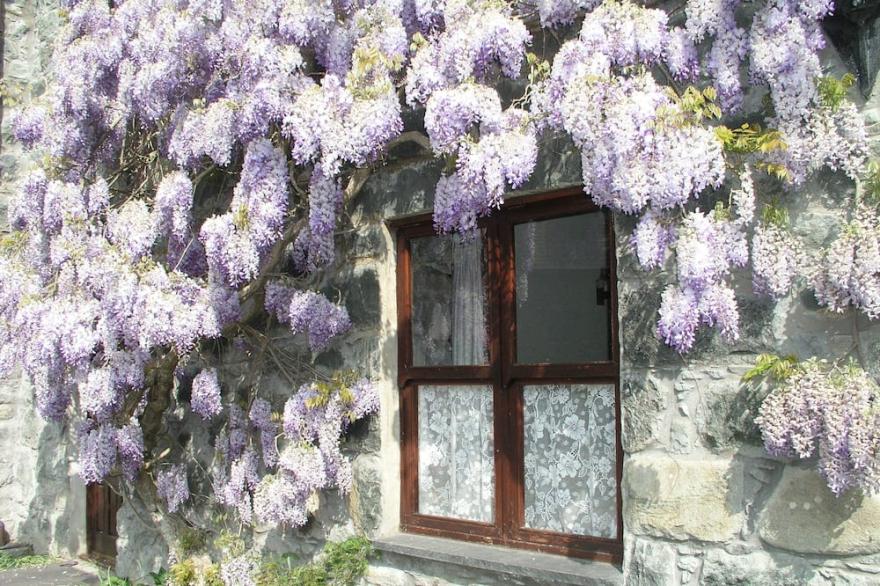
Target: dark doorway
point(101, 506)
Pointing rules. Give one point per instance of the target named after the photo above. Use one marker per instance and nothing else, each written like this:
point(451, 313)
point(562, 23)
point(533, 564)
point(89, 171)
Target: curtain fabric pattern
point(456, 452)
point(570, 459)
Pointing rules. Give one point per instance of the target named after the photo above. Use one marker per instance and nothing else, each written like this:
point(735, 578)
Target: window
point(510, 417)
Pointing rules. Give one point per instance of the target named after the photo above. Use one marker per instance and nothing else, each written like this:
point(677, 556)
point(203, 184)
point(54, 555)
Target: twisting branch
point(276, 255)
point(411, 136)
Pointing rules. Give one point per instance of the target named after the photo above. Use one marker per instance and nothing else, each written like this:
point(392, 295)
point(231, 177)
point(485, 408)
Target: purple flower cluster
point(236, 241)
point(330, 125)
point(97, 452)
point(832, 411)
point(848, 273)
point(651, 239)
point(314, 419)
point(706, 250)
point(172, 486)
point(308, 312)
point(477, 37)
point(205, 398)
point(28, 126)
point(261, 417)
point(173, 207)
point(130, 445)
point(314, 314)
point(131, 228)
point(240, 570)
point(315, 247)
point(786, 38)
point(777, 260)
point(506, 154)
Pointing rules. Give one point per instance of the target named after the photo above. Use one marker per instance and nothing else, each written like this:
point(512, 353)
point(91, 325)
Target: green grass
point(8, 562)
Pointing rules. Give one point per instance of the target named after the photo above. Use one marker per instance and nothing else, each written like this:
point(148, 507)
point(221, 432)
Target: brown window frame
point(506, 378)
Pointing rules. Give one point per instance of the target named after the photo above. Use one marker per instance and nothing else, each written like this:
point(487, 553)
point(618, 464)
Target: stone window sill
point(465, 561)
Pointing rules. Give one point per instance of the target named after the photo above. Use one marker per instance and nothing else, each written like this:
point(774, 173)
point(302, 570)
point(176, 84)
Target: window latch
point(603, 290)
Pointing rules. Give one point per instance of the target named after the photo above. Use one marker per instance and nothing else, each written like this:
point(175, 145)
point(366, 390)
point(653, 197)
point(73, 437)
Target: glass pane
point(456, 452)
point(449, 301)
point(570, 459)
point(562, 306)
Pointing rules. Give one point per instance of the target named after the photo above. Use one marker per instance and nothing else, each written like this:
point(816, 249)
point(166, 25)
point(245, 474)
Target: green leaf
point(772, 366)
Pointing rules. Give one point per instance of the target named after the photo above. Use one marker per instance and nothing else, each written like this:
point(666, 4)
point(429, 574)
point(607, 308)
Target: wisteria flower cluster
point(831, 411)
point(186, 147)
point(778, 259)
point(706, 250)
point(173, 487)
point(848, 274)
point(299, 451)
point(117, 255)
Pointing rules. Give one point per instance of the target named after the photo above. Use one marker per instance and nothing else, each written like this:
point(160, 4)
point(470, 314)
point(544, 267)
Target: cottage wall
point(703, 503)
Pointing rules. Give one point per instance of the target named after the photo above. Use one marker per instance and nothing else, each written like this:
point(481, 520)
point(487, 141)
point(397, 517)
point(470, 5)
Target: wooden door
point(101, 506)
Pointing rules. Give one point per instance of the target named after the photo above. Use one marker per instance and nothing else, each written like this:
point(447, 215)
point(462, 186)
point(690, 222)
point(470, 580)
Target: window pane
point(448, 301)
point(570, 459)
point(562, 307)
point(456, 452)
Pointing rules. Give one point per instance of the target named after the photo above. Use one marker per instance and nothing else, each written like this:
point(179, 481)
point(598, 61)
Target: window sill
point(460, 560)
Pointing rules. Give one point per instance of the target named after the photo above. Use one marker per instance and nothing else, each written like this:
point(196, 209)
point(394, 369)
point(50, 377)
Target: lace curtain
point(456, 456)
point(570, 459)
point(456, 459)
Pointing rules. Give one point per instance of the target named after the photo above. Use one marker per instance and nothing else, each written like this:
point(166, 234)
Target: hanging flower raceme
point(236, 241)
point(172, 486)
point(314, 419)
point(205, 396)
point(831, 411)
point(706, 250)
point(848, 273)
point(777, 260)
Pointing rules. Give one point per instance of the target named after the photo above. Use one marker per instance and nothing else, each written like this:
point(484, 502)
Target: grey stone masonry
point(702, 502)
point(42, 501)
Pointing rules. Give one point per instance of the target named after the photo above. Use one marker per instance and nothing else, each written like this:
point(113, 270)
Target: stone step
point(17, 550)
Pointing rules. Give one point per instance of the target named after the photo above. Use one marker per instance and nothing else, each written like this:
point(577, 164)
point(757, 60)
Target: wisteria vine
point(188, 148)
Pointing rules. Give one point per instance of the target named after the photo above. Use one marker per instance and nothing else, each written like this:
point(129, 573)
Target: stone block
point(753, 569)
point(683, 498)
point(7, 412)
point(725, 414)
point(365, 499)
point(391, 192)
point(361, 292)
point(644, 404)
point(804, 516)
point(651, 563)
point(141, 546)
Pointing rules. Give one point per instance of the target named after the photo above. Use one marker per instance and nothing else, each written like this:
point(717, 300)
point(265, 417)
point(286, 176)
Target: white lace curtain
point(570, 459)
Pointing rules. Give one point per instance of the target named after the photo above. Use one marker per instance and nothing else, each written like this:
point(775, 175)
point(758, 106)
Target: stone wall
point(41, 499)
point(703, 503)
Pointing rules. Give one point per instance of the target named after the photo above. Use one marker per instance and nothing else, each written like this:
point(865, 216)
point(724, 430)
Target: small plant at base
point(110, 579)
point(340, 564)
point(161, 577)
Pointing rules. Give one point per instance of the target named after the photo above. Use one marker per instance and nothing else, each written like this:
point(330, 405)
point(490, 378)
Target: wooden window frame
point(506, 378)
